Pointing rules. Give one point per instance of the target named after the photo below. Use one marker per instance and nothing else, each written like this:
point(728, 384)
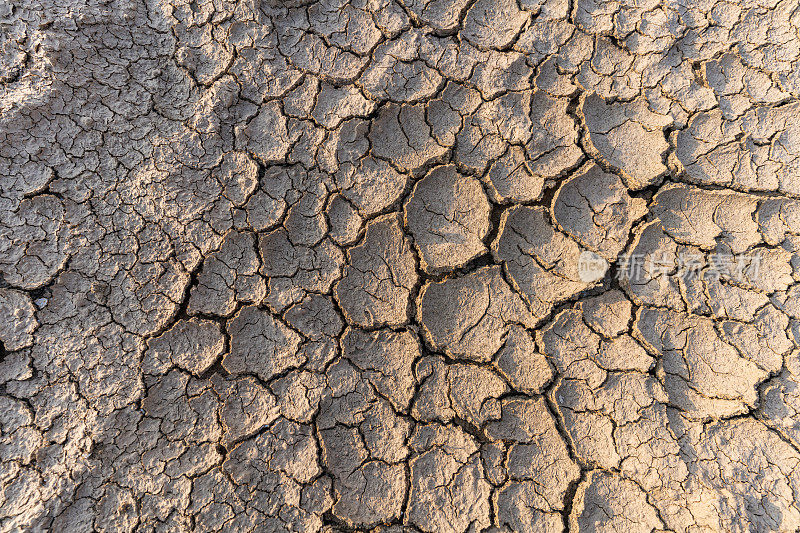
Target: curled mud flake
point(777, 219)
point(608, 314)
point(705, 218)
point(16, 366)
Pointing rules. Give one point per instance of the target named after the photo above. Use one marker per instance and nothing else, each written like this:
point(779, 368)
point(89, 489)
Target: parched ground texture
point(288, 265)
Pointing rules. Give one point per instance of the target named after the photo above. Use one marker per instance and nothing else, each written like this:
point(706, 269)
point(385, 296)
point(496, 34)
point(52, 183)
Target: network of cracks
point(322, 265)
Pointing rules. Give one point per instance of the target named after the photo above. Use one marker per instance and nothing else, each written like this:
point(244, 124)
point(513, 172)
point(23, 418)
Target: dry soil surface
point(438, 266)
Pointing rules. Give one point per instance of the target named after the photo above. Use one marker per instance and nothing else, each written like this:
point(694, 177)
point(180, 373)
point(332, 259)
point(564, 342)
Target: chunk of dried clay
point(266, 135)
point(375, 289)
point(228, 276)
point(493, 24)
point(522, 364)
point(539, 467)
point(401, 135)
point(385, 357)
point(511, 180)
point(448, 215)
point(261, 344)
point(449, 492)
point(193, 345)
point(19, 320)
point(594, 208)
point(542, 263)
point(607, 502)
point(627, 136)
point(470, 316)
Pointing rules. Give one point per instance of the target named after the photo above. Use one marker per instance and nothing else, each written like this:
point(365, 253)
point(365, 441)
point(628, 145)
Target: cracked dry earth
point(287, 265)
